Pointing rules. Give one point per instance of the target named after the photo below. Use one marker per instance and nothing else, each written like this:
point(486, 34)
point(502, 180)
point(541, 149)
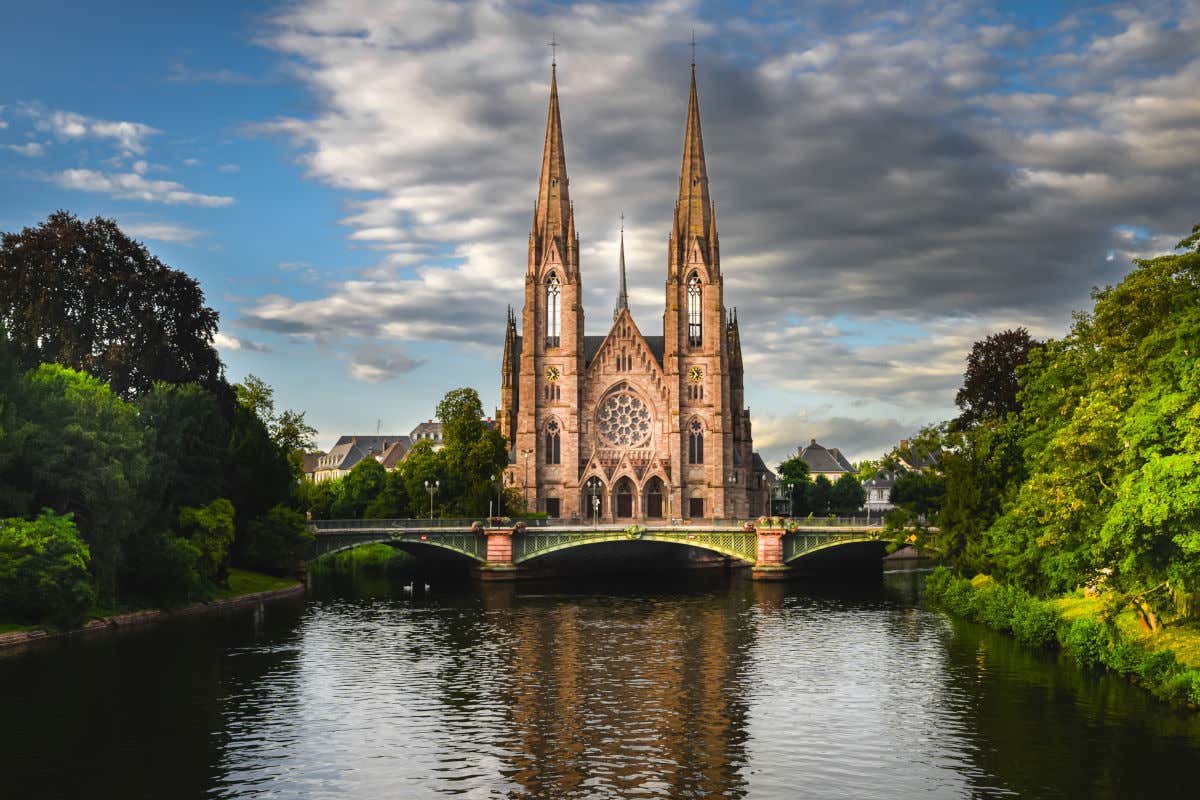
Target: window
point(695, 442)
point(623, 420)
point(552, 508)
point(553, 443)
point(693, 294)
point(696, 507)
point(553, 308)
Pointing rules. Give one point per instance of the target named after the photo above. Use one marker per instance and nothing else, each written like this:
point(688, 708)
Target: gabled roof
point(395, 453)
point(310, 461)
point(824, 460)
point(591, 346)
point(427, 430)
point(883, 479)
point(761, 466)
point(351, 449)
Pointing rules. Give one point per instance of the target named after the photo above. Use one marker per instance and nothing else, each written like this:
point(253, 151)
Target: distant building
point(428, 431)
point(309, 462)
point(825, 461)
point(349, 450)
point(879, 491)
point(910, 459)
point(395, 453)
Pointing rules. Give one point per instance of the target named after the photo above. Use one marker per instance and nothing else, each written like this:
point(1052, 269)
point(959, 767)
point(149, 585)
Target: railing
point(329, 525)
point(837, 522)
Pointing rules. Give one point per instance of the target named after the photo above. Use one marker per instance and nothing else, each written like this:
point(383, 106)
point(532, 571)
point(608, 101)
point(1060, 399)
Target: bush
point(1157, 668)
point(1124, 657)
point(1086, 640)
point(1182, 687)
point(278, 540)
point(210, 530)
point(1035, 623)
point(44, 571)
point(996, 606)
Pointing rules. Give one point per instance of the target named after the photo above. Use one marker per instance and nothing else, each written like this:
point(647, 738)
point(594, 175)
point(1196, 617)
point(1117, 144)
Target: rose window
point(624, 420)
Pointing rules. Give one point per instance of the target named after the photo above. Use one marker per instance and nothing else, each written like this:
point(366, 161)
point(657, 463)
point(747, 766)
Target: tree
point(85, 295)
point(471, 453)
point(392, 502)
point(210, 530)
point(288, 429)
point(258, 475)
point(794, 473)
point(847, 495)
point(79, 449)
point(990, 384)
point(920, 492)
point(423, 464)
point(187, 441)
point(820, 496)
point(278, 541)
point(363, 485)
point(44, 571)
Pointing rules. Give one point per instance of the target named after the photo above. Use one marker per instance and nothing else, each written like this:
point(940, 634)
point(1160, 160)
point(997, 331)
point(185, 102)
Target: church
point(627, 426)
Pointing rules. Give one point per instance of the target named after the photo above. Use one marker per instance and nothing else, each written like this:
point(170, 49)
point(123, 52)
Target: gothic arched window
point(695, 442)
point(553, 443)
point(553, 309)
point(693, 296)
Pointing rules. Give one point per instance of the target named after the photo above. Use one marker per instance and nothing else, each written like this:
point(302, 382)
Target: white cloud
point(67, 125)
point(131, 186)
point(378, 362)
point(225, 341)
point(29, 149)
point(191, 162)
point(173, 232)
point(228, 168)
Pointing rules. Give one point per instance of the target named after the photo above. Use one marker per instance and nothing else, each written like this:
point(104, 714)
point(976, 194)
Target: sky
point(352, 181)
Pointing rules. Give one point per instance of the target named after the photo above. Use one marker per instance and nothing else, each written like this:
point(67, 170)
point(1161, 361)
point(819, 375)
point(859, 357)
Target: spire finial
point(622, 288)
point(553, 45)
point(693, 50)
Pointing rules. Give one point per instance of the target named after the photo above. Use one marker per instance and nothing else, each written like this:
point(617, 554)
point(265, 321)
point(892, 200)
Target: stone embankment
point(149, 616)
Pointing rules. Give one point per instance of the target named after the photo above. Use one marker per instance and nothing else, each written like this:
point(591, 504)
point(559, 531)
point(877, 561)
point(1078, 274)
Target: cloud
point(29, 149)
point(777, 437)
point(917, 167)
point(132, 186)
point(67, 125)
point(375, 363)
point(173, 232)
point(191, 162)
point(228, 168)
point(181, 73)
point(225, 341)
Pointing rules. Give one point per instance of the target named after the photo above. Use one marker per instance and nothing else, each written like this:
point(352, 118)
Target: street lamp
point(432, 487)
point(527, 453)
point(499, 479)
point(593, 486)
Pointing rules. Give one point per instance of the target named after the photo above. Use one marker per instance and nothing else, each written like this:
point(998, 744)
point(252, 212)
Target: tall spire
point(693, 211)
point(552, 216)
point(622, 290)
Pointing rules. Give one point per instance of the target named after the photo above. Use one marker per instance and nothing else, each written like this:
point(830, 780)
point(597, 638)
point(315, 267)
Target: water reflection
point(678, 690)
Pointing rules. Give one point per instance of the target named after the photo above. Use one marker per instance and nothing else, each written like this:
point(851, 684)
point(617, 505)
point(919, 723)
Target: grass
point(1182, 636)
point(11, 627)
point(243, 581)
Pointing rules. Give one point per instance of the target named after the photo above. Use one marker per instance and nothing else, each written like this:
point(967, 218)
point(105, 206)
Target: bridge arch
point(468, 545)
point(533, 545)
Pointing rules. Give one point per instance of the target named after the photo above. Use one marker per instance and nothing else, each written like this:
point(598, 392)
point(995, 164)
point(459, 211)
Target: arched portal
point(623, 499)
point(653, 504)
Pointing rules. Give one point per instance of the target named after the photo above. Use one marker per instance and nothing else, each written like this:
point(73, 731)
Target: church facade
point(627, 426)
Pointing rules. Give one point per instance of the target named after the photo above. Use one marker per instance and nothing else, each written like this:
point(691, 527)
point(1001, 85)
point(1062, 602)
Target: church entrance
point(624, 499)
point(654, 499)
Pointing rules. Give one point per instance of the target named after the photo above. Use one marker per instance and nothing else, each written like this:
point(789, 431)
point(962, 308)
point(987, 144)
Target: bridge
point(770, 548)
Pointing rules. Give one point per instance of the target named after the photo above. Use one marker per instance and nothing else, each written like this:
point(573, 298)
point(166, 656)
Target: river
point(702, 687)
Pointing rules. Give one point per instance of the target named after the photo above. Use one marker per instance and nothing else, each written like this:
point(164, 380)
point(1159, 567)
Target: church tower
point(696, 346)
point(551, 346)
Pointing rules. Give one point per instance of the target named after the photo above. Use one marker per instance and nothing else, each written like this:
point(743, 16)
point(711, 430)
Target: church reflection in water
point(625, 699)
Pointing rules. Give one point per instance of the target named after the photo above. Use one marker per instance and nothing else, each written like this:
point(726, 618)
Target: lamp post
point(432, 487)
point(499, 479)
point(527, 453)
point(593, 486)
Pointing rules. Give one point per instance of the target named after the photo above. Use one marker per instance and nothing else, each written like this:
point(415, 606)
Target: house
point(910, 459)
point(879, 491)
point(349, 450)
point(309, 463)
point(825, 461)
point(428, 431)
point(395, 453)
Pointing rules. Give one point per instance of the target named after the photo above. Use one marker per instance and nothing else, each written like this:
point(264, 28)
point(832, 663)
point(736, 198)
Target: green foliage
point(990, 385)
point(210, 530)
point(920, 492)
point(794, 471)
point(317, 498)
point(1086, 640)
point(820, 496)
point(1035, 623)
point(44, 571)
point(78, 448)
point(258, 475)
point(85, 295)
point(392, 502)
point(186, 439)
point(363, 485)
point(847, 496)
point(288, 429)
point(278, 541)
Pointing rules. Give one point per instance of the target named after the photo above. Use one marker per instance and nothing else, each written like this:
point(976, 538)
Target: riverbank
point(245, 588)
point(1166, 663)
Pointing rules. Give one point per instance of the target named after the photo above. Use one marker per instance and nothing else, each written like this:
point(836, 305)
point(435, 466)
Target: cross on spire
point(553, 45)
point(693, 48)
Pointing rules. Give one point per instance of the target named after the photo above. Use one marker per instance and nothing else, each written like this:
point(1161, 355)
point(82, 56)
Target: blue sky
point(351, 181)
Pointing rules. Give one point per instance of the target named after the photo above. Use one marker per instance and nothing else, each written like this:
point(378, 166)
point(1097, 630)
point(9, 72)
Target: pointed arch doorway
point(654, 498)
point(623, 495)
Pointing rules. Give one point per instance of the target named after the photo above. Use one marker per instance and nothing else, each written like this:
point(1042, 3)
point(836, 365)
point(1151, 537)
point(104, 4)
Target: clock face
point(552, 374)
point(695, 374)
